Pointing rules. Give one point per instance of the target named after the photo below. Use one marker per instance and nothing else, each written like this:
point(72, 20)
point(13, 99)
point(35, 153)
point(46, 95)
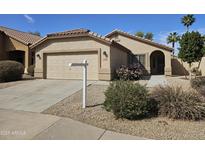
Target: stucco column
point(26, 61)
point(147, 57)
point(167, 68)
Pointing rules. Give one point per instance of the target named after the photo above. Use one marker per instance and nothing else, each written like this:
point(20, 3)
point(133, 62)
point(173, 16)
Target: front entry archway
point(157, 62)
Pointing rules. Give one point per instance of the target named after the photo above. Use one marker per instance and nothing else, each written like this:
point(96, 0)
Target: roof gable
point(23, 37)
point(138, 39)
point(73, 33)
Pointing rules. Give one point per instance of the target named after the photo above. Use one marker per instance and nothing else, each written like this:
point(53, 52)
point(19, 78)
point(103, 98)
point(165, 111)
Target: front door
point(157, 63)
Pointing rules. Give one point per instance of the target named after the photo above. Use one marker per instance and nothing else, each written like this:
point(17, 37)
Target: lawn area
point(152, 128)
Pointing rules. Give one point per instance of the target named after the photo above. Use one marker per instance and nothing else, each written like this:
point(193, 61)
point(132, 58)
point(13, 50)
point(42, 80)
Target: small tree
point(139, 34)
point(149, 36)
point(191, 48)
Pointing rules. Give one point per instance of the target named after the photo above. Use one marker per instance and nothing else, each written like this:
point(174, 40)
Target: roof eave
point(67, 36)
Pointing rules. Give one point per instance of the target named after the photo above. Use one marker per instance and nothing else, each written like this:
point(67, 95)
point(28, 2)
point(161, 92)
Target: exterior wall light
point(105, 54)
point(39, 57)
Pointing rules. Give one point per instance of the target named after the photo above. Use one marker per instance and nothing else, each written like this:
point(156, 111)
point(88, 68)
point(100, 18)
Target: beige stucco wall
point(74, 45)
point(182, 68)
point(12, 44)
point(138, 47)
point(118, 58)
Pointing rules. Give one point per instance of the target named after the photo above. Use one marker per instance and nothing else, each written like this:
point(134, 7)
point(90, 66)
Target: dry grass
point(94, 114)
point(179, 81)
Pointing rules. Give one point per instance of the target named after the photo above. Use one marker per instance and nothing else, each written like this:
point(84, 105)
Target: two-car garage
point(57, 65)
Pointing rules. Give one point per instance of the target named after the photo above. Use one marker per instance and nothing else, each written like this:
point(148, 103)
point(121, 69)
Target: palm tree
point(188, 20)
point(173, 38)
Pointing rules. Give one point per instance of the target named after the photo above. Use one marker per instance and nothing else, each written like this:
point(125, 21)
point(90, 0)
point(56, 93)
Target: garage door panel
point(57, 65)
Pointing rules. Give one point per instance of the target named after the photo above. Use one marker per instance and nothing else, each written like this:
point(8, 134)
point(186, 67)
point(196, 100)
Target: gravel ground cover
point(179, 81)
point(94, 114)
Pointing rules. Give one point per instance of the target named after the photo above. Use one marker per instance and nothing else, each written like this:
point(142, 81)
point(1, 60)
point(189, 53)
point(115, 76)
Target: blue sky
point(160, 25)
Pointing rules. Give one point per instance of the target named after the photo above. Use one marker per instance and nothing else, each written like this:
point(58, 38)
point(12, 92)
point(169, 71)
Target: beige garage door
point(57, 65)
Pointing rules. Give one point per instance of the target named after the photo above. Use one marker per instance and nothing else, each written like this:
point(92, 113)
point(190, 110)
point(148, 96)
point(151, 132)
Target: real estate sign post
point(84, 64)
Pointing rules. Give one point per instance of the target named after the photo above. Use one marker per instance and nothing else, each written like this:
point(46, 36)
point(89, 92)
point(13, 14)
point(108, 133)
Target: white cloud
point(29, 18)
point(161, 38)
point(201, 30)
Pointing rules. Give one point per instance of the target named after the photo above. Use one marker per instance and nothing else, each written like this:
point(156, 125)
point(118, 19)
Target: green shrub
point(10, 71)
point(175, 103)
point(131, 72)
point(127, 100)
point(30, 70)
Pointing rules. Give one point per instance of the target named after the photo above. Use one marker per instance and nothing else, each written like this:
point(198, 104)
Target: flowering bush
point(131, 72)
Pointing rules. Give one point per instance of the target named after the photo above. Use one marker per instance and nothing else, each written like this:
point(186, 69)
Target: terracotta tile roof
point(139, 39)
point(23, 37)
point(70, 32)
point(73, 33)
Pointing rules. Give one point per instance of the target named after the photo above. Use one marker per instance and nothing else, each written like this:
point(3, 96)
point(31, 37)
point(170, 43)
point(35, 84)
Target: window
point(139, 59)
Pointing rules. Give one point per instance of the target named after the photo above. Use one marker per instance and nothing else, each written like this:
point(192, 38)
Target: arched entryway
point(17, 55)
point(157, 63)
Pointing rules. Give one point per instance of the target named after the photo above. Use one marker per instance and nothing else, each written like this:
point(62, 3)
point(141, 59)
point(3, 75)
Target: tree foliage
point(188, 20)
point(139, 34)
point(149, 36)
point(173, 38)
point(191, 47)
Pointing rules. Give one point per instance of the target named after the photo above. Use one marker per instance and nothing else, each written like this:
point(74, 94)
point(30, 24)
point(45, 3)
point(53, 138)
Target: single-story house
point(55, 51)
point(104, 54)
point(15, 45)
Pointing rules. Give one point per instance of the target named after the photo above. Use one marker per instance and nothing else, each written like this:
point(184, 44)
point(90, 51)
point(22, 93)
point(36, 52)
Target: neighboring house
point(14, 45)
point(104, 54)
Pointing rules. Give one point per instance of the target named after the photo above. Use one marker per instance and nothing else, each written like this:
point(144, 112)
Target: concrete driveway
point(37, 95)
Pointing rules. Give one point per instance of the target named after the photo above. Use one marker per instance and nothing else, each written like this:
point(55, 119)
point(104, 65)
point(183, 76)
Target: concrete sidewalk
point(29, 125)
point(156, 80)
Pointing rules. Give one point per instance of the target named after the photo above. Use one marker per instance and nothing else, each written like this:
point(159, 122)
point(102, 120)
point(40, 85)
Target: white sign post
point(84, 64)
